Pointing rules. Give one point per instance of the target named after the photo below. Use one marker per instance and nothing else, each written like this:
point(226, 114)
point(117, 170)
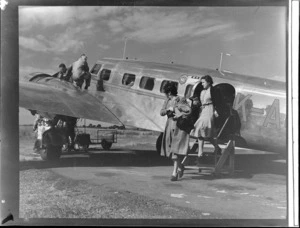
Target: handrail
point(222, 129)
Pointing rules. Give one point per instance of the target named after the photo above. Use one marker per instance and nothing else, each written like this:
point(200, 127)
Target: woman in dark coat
point(175, 142)
point(211, 108)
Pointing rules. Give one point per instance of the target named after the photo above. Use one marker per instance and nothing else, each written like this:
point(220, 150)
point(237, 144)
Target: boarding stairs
point(215, 164)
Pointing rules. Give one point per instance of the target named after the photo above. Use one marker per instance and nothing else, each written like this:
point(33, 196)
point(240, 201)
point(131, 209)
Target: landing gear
point(53, 140)
point(51, 152)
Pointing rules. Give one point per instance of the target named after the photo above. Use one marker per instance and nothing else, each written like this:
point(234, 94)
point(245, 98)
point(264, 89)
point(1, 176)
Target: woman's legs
point(200, 147)
point(175, 167)
point(200, 151)
point(180, 166)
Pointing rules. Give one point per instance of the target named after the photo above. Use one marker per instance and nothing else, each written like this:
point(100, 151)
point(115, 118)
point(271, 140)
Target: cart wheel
point(106, 145)
point(51, 153)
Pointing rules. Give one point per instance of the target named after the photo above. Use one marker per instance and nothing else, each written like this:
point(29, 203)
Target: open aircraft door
point(227, 97)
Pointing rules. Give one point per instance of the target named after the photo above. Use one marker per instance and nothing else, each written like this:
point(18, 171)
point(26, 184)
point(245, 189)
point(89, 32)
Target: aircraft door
point(227, 93)
point(233, 126)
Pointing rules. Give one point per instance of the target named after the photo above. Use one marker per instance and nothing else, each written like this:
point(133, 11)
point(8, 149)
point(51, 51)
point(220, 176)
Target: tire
point(106, 145)
point(158, 143)
point(51, 153)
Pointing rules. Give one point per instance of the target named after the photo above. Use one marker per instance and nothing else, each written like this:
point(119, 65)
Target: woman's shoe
point(180, 171)
point(174, 178)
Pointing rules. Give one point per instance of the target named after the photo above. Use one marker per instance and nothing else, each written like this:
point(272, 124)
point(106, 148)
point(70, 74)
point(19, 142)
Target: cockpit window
point(188, 91)
point(165, 82)
point(128, 79)
point(147, 83)
point(96, 69)
point(105, 74)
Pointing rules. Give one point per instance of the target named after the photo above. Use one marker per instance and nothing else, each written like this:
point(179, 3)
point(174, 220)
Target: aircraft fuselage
point(261, 103)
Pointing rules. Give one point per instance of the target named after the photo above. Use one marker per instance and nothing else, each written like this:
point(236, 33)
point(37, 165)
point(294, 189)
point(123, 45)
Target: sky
point(255, 37)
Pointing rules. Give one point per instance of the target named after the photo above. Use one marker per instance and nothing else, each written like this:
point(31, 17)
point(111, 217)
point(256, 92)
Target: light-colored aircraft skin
point(261, 103)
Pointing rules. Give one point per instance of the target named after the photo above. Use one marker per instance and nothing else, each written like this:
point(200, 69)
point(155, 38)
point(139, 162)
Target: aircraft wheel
point(51, 153)
point(106, 145)
point(158, 143)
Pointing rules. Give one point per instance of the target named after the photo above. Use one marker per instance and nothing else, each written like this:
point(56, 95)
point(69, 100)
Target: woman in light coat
point(175, 142)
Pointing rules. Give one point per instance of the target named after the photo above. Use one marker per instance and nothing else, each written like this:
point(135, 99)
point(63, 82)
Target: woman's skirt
point(205, 125)
point(175, 141)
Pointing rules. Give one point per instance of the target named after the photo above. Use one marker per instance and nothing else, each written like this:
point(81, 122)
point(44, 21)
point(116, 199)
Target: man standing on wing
point(78, 72)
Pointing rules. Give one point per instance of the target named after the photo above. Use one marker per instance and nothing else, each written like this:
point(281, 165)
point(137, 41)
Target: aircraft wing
point(59, 97)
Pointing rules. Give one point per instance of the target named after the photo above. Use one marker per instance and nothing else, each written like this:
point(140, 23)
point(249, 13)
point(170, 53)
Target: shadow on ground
point(245, 165)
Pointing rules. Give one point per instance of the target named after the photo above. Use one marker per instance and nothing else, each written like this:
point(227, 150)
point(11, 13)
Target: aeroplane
point(130, 93)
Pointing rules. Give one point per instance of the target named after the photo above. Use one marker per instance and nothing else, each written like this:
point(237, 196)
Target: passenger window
point(96, 69)
point(147, 83)
point(105, 74)
point(128, 79)
point(164, 83)
point(188, 91)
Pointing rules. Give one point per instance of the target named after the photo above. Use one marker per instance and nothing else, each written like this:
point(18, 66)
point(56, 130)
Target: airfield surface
point(132, 181)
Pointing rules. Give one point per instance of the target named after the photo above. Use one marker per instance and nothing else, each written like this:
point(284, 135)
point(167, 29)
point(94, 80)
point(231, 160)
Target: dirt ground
point(131, 181)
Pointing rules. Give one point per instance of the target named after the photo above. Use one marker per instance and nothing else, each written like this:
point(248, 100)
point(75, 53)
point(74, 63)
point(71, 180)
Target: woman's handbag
point(185, 123)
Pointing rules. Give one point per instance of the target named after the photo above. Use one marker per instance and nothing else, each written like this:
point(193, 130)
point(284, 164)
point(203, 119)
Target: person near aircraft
point(62, 71)
point(78, 73)
point(69, 123)
point(40, 125)
point(127, 80)
point(37, 121)
point(175, 142)
point(205, 126)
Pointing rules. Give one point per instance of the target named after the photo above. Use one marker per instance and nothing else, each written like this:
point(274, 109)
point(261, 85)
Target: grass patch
point(44, 194)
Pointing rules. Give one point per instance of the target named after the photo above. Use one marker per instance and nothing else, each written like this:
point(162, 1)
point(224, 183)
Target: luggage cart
point(105, 137)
